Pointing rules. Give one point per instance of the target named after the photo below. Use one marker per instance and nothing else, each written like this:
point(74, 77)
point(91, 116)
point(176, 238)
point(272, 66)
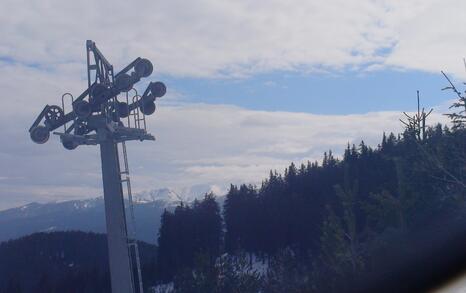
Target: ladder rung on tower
point(132, 242)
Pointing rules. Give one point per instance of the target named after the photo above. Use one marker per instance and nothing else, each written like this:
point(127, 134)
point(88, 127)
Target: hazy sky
point(252, 85)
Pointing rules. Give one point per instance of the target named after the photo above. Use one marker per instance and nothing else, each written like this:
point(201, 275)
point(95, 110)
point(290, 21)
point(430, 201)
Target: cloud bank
point(42, 53)
point(212, 38)
point(196, 144)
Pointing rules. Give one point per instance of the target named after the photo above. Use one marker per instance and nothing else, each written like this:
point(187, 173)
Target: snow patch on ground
point(163, 288)
point(261, 266)
point(49, 229)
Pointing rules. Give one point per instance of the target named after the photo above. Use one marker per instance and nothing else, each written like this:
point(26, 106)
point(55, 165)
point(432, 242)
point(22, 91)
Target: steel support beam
point(117, 238)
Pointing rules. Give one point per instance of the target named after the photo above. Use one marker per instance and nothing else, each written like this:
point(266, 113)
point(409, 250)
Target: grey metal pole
point(98, 110)
point(119, 258)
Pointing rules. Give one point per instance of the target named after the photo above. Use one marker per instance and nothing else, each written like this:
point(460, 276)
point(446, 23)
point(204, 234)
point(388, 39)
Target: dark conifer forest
point(371, 220)
point(388, 218)
point(61, 262)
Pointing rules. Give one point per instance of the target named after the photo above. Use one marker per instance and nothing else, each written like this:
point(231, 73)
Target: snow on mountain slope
point(88, 214)
point(187, 194)
point(163, 194)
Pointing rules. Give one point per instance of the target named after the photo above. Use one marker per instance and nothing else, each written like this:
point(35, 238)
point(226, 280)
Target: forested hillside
point(386, 219)
point(62, 262)
point(389, 218)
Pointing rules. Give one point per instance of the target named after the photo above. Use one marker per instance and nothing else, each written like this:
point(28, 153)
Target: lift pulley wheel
point(69, 144)
point(53, 114)
point(144, 68)
point(158, 89)
point(40, 134)
point(147, 107)
point(124, 82)
point(98, 94)
point(82, 109)
point(81, 127)
point(123, 109)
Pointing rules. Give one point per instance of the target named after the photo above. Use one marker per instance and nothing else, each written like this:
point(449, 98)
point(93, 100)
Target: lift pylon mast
point(103, 115)
point(117, 235)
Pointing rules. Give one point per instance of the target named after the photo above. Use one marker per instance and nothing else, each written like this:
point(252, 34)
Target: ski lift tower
point(108, 113)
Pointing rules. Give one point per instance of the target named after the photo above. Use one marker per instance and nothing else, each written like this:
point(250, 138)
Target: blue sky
point(347, 92)
point(252, 85)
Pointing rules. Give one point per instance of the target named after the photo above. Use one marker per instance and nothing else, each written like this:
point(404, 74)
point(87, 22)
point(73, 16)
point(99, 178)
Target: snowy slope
point(88, 214)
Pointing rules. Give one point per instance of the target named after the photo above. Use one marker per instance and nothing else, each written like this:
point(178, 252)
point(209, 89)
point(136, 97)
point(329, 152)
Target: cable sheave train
point(107, 100)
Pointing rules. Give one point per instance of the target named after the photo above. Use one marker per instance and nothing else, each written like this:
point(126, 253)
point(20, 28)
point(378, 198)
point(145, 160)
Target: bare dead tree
point(416, 123)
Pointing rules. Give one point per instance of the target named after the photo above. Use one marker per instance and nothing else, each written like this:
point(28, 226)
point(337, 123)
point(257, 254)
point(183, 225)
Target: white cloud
point(430, 37)
point(217, 37)
point(196, 144)
point(42, 53)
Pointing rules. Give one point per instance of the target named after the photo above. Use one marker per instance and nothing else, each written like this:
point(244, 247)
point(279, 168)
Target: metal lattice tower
point(109, 113)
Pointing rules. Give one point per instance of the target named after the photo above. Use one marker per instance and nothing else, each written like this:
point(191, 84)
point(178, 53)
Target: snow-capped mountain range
point(187, 194)
point(163, 194)
point(88, 214)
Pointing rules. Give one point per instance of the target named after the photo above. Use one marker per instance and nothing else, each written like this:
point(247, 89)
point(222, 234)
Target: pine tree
point(13, 286)
point(44, 285)
point(458, 118)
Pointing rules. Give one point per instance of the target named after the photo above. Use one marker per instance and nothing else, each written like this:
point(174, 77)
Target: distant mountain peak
point(162, 194)
point(89, 214)
point(187, 194)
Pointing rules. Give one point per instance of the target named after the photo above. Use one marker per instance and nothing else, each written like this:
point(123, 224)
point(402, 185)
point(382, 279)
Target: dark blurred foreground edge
point(425, 261)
